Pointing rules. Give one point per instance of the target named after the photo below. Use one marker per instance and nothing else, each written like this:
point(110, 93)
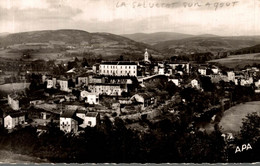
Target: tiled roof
point(16, 114)
point(68, 114)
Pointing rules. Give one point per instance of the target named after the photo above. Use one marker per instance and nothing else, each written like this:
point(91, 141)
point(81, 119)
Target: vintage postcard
point(129, 81)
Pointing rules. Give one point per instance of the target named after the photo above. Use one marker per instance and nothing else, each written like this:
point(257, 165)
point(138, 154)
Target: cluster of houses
point(246, 77)
point(116, 79)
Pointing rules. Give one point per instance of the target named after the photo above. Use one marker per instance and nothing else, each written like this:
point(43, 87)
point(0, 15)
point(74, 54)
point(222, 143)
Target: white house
point(161, 71)
point(63, 85)
point(231, 76)
point(92, 119)
point(91, 98)
point(215, 70)
point(195, 84)
point(69, 121)
point(202, 71)
point(257, 83)
point(50, 84)
point(14, 119)
point(118, 68)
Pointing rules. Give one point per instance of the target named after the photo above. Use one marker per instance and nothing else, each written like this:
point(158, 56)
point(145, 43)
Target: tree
point(250, 129)
point(84, 63)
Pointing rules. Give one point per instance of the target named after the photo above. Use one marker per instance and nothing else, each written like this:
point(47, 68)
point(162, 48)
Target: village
point(82, 97)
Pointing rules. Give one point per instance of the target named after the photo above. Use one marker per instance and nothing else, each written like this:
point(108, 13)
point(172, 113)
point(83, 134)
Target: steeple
point(146, 56)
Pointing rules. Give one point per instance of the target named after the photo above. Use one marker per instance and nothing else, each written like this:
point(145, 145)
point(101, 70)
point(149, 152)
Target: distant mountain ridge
point(105, 44)
point(157, 37)
point(207, 44)
point(169, 42)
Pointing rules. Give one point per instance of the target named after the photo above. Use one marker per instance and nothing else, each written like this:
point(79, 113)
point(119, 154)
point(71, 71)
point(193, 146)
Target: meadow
point(239, 61)
point(233, 117)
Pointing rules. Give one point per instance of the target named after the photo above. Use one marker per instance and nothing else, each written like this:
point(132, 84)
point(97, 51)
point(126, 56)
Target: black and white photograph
point(129, 81)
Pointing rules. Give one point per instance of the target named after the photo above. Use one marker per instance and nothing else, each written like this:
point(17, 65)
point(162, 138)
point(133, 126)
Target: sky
point(219, 17)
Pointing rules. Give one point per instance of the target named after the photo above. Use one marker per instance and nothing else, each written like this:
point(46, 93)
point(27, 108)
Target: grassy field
point(232, 118)
point(239, 60)
point(8, 88)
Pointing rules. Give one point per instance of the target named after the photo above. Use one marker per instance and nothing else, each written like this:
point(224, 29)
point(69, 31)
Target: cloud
point(107, 16)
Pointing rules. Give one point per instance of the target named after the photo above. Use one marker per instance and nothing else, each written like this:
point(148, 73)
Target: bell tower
point(146, 56)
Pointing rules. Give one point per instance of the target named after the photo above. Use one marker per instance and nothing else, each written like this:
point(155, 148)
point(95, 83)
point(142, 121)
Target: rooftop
point(68, 114)
point(16, 114)
point(118, 63)
point(92, 114)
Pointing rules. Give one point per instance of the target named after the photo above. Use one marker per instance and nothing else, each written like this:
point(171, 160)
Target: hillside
point(63, 42)
point(248, 50)
point(155, 38)
point(207, 44)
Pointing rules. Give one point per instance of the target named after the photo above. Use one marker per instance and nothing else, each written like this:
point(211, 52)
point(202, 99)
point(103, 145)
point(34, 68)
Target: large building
point(118, 68)
point(108, 89)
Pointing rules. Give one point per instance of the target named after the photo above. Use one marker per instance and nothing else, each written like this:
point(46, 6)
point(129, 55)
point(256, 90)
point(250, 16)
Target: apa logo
point(244, 147)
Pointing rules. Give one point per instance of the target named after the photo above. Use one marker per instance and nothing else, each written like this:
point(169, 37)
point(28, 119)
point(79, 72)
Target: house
point(118, 68)
point(83, 79)
point(64, 85)
point(176, 81)
point(231, 76)
point(50, 84)
point(202, 70)
point(143, 99)
point(215, 69)
point(257, 84)
point(13, 101)
point(195, 84)
point(96, 79)
point(92, 98)
point(109, 89)
point(89, 97)
point(180, 66)
point(69, 122)
point(14, 119)
point(81, 113)
point(161, 71)
point(92, 119)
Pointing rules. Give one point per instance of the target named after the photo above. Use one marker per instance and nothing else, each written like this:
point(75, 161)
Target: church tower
point(146, 56)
